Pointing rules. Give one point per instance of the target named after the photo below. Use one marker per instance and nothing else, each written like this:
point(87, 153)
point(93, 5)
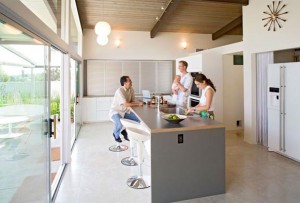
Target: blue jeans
point(118, 125)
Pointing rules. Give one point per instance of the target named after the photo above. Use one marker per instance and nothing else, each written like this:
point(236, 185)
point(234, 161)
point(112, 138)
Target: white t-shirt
point(122, 95)
point(203, 98)
point(187, 82)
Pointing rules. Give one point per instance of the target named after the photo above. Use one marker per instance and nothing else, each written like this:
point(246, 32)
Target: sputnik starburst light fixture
point(274, 14)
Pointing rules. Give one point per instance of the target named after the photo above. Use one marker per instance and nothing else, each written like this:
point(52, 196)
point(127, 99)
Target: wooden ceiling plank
point(167, 13)
point(233, 24)
point(241, 2)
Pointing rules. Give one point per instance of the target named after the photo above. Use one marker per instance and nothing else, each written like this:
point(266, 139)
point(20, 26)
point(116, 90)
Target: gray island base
point(192, 169)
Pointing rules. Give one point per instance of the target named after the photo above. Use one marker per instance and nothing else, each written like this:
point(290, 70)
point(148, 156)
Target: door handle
point(52, 126)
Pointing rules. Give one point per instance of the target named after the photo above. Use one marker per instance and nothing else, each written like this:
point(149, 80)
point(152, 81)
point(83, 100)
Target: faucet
point(158, 103)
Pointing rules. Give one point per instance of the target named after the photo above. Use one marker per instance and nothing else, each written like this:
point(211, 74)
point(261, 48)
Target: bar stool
point(129, 161)
point(140, 181)
point(118, 147)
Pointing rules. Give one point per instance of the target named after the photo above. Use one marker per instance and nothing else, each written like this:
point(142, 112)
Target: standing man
point(123, 99)
point(184, 85)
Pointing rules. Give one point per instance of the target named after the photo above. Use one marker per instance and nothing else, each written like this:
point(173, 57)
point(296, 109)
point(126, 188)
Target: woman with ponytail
point(207, 96)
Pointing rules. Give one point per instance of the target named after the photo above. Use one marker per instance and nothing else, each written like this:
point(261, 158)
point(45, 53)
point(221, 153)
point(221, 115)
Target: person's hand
point(190, 110)
point(140, 103)
point(175, 91)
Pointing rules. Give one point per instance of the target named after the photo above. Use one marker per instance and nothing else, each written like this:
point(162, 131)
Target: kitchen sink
point(176, 110)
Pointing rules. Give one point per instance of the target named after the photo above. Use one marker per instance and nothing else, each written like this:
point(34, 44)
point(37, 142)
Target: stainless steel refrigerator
point(284, 109)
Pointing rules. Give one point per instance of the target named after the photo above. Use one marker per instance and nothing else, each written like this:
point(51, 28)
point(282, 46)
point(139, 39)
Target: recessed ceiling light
point(162, 7)
point(157, 18)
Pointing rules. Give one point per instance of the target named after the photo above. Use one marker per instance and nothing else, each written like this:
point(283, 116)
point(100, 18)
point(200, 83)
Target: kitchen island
point(187, 159)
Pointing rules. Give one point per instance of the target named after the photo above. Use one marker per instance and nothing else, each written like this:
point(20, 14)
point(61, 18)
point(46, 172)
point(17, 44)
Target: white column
point(250, 97)
point(65, 105)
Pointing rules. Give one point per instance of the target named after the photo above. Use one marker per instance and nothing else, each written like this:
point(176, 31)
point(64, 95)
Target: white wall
point(138, 45)
point(213, 69)
point(257, 39)
point(233, 92)
point(194, 63)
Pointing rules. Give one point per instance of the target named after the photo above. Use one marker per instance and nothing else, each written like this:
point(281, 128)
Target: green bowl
point(174, 121)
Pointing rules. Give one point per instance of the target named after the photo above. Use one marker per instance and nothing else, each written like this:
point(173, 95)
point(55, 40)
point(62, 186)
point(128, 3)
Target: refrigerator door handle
point(283, 110)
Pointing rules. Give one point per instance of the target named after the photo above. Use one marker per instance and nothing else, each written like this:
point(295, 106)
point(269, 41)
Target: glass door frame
point(78, 103)
point(64, 144)
point(75, 74)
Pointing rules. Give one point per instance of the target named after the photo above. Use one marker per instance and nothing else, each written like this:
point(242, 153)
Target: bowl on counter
point(174, 118)
point(170, 105)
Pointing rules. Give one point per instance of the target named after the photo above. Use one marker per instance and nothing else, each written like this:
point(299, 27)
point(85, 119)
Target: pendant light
point(102, 29)
point(102, 40)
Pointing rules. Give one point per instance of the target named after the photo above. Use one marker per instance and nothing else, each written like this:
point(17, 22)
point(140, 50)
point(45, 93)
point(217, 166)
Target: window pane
point(148, 73)
point(132, 69)
point(95, 77)
point(24, 150)
point(48, 11)
point(73, 33)
point(113, 72)
point(164, 75)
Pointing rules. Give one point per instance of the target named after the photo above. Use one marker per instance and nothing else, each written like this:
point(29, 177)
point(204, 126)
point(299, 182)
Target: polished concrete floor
point(253, 175)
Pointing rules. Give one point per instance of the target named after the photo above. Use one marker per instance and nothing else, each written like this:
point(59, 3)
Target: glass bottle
point(161, 99)
point(153, 99)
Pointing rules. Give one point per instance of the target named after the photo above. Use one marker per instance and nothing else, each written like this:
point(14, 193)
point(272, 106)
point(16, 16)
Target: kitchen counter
point(156, 124)
point(187, 159)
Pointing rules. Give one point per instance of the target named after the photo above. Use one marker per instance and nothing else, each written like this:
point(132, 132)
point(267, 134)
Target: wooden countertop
point(156, 124)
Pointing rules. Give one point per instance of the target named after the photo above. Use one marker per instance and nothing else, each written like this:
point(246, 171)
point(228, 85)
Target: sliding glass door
point(24, 117)
point(77, 113)
point(57, 151)
point(75, 107)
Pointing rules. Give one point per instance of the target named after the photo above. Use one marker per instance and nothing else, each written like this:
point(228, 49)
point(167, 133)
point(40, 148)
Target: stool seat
point(129, 161)
point(138, 135)
point(129, 123)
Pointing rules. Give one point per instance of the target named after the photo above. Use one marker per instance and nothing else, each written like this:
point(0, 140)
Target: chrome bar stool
point(118, 147)
point(139, 136)
point(129, 161)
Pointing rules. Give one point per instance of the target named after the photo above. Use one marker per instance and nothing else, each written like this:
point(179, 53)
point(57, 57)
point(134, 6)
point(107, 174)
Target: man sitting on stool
point(124, 98)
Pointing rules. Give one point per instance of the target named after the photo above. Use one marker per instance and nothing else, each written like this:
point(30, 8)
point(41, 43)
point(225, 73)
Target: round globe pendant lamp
point(102, 28)
point(102, 40)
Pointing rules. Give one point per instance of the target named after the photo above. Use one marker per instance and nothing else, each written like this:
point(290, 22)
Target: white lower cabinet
point(96, 109)
point(102, 115)
point(89, 110)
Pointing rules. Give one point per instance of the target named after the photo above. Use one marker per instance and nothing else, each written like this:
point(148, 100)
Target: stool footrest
point(138, 182)
point(128, 161)
point(118, 148)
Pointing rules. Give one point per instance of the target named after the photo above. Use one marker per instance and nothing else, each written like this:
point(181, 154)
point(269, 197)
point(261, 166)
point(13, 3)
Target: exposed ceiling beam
point(242, 2)
point(167, 13)
point(236, 22)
